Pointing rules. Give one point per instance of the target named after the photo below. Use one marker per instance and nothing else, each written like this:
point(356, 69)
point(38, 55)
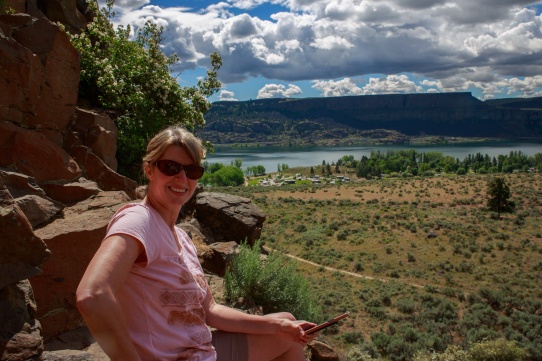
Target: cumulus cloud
point(455, 43)
point(331, 88)
point(226, 95)
point(391, 84)
point(278, 91)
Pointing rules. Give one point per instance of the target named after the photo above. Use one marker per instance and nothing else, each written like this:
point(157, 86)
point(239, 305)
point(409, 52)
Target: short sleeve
point(135, 220)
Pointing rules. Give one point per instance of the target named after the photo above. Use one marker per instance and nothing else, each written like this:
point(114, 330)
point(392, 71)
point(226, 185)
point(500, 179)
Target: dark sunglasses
point(171, 168)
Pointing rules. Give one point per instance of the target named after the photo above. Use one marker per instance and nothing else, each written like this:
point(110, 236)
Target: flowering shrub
point(132, 77)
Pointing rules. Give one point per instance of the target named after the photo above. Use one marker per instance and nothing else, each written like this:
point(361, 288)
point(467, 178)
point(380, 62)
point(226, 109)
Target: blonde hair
point(174, 135)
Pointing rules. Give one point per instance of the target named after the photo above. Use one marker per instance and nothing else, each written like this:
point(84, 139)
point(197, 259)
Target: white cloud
point(455, 43)
point(333, 88)
point(226, 95)
point(332, 43)
point(391, 84)
point(278, 91)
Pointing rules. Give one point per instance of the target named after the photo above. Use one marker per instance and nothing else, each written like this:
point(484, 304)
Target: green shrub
point(452, 353)
point(357, 354)
point(497, 350)
point(273, 283)
point(352, 337)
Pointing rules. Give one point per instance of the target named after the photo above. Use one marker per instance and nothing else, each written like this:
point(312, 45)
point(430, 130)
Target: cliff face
point(443, 114)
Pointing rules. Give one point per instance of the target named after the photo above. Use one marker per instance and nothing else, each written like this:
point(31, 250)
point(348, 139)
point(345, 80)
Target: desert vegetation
point(421, 263)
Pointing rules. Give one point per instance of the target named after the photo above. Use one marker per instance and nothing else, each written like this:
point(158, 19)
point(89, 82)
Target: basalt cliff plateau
point(394, 118)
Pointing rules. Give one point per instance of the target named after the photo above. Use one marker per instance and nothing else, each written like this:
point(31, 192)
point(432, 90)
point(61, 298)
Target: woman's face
point(171, 190)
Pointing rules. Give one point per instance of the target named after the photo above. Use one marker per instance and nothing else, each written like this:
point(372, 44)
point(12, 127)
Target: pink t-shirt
point(162, 299)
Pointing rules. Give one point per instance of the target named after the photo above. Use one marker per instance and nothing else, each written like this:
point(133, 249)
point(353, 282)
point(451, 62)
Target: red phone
point(326, 324)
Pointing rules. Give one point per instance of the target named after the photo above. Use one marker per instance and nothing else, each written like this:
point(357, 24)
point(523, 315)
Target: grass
point(422, 248)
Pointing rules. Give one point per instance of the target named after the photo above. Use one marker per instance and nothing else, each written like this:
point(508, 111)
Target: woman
point(144, 295)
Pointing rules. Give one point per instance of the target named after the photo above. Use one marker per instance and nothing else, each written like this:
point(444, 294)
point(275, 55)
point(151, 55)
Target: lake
point(270, 157)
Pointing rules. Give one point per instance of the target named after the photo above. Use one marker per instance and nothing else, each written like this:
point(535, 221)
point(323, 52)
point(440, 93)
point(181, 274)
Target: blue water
point(270, 157)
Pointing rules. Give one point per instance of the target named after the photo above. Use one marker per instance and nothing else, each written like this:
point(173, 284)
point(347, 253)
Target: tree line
point(413, 163)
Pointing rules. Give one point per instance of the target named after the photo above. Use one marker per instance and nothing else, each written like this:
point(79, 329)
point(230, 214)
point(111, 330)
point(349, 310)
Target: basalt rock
point(33, 154)
point(96, 170)
point(20, 332)
point(70, 193)
point(21, 252)
point(228, 218)
point(73, 240)
point(213, 256)
point(95, 131)
point(40, 74)
point(38, 210)
point(322, 352)
point(21, 256)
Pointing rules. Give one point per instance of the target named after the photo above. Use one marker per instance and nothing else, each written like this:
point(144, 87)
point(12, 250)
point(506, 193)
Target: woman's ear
point(148, 171)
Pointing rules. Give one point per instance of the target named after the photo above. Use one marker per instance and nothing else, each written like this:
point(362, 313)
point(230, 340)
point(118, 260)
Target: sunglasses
point(171, 168)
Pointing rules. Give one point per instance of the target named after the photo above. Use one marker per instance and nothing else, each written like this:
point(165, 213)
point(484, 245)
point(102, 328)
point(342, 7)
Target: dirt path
point(352, 274)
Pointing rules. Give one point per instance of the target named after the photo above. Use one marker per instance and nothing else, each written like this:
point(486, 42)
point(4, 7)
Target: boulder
point(96, 131)
point(70, 193)
point(322, 352)
point(73, 241)
point(96, 170)
point(20, 185)
point(228, 218)
point(21, 252)
point(20, 333)
point(215, 257)
point(38, 210)
point(33, 154)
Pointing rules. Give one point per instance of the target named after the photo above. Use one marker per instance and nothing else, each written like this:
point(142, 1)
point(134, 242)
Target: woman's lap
point(230, 346)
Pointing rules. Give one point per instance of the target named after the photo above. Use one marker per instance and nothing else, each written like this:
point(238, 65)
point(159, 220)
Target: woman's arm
point(96, 295)
point(228, 319)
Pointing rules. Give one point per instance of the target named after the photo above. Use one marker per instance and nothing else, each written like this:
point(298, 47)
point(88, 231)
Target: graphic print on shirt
point(180, 298)
point(201, 281)
point(195, 317)
point(186, 277)
point(201, 338)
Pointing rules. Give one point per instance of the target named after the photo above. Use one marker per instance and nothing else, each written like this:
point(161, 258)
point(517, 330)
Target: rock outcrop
point(21, 255)
point(229, 218)
point(51, 218)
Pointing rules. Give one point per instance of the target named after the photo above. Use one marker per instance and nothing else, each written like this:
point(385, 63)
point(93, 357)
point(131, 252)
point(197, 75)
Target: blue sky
point(322, 48)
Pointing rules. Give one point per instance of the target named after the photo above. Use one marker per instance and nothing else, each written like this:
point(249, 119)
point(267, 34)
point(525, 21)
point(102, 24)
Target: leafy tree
point(226, 176)
point(498, 194)
point(255, 170)
point(132, 78)
point(238, 162)
point(282, 167)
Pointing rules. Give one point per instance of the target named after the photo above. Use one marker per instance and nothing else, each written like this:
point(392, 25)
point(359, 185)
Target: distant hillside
point(394, 118)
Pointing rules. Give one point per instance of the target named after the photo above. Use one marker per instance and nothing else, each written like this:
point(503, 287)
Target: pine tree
point(498, 194)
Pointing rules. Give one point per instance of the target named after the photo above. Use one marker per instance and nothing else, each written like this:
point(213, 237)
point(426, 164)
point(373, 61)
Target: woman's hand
point(294, 331)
